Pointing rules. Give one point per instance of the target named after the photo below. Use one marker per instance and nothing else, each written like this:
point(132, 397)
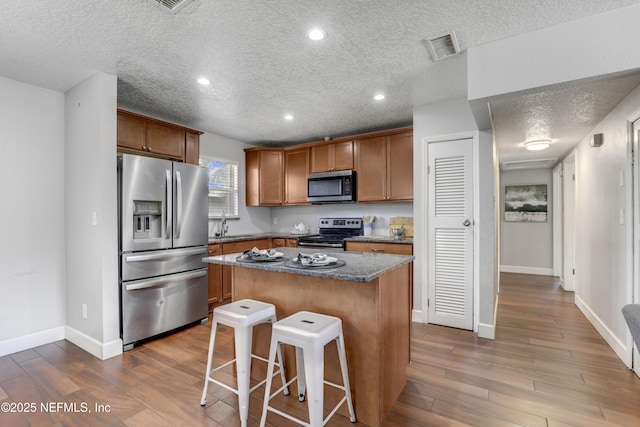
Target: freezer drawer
point(153, 306)
point(139, 265)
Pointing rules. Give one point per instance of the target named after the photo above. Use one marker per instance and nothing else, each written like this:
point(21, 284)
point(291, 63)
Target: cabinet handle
point(213, 251)
point(377, 250)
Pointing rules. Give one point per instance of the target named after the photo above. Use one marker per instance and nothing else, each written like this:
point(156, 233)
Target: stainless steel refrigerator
point(162, 220)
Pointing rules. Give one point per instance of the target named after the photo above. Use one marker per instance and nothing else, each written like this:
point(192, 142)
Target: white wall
point(32, 254)
point(593, 46)
point(91, 193)
point(288, 216)
point(252, 219)
point(603, 278)
point(445, 118)
point(527, 247)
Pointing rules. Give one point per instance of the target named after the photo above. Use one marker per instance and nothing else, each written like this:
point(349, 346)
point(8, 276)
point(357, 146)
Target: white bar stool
point(309, 333)
point(242, 316)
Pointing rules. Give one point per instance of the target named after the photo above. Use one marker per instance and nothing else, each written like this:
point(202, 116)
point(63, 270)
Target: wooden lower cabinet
point(234, 247)
point(385, 248)
point(215, 277)
point(284, 243)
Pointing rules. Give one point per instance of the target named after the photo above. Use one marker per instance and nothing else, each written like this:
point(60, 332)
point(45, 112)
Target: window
point(223, 187)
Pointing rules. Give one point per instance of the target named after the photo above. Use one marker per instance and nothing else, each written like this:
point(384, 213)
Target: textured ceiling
point(262, 66)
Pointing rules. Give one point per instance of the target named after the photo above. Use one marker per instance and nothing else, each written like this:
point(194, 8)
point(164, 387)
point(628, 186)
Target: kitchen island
point(371, 295)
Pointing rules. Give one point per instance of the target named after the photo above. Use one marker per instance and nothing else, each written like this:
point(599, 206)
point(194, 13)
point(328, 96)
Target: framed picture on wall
point(525, 203)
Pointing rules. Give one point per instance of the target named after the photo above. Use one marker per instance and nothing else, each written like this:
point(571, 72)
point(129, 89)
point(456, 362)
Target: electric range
point(332, 232)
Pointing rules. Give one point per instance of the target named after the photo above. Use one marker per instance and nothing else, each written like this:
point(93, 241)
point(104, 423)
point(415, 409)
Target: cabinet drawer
point(386, 248)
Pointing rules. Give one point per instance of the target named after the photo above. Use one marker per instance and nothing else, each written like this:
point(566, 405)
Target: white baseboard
point(417, 316)
point(26, 342)
point(526, 270)
point(618, 346)
point(90, 345)
point(486, 331)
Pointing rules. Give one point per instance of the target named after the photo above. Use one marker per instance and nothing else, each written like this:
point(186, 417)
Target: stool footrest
point(253, 356)
point(297, 420)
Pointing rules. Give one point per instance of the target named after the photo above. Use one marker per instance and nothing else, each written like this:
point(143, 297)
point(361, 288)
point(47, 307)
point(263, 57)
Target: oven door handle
point(164, 282)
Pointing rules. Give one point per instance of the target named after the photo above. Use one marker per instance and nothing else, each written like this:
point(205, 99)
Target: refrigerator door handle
point(164, 255)
point(164, 282)
point(178, 204)
point(166, 204)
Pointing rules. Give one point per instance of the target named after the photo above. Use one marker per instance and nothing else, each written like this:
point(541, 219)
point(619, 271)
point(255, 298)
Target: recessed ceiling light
point(288, 117)
point(204, 81)
point(316, 34)
point(538, 145)
point(379, 97)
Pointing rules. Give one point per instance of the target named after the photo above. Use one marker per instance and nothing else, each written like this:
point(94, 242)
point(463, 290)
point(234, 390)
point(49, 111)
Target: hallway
point(547, 367)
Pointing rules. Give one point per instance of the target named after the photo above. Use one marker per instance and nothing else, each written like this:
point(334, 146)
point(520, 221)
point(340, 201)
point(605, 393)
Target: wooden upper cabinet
point(384, 168)
point(131, 132)
point(332, 157)
point(264, 177)
point(296, 173)
point(192, 148)
point(271, 171)
point(152, 137)
point(371, 169)
point(165, 141)
point(400, 167)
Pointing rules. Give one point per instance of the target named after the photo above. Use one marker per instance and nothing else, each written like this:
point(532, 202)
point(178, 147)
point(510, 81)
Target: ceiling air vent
point(443, 46)
point(529, 164)
point(173, 6)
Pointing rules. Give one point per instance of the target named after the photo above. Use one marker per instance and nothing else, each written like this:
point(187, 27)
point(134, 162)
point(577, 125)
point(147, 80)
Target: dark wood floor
point(546, 367)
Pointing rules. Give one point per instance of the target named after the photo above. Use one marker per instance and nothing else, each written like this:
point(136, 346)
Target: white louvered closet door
point(451, 233)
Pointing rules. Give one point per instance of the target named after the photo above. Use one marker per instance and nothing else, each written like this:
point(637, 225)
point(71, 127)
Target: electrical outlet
point(84, 311)
point(94, 218)
point(275, 220)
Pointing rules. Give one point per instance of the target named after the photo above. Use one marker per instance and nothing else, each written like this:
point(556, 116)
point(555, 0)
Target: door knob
point(466, 223)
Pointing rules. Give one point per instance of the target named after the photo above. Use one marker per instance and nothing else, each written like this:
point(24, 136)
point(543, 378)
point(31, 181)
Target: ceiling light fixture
point(379, 97)
point(288, 117)
point(204, 81)
point(316, 34)
point(538, 145)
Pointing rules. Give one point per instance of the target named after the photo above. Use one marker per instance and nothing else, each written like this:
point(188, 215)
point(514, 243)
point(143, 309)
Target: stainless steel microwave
point(332, 187)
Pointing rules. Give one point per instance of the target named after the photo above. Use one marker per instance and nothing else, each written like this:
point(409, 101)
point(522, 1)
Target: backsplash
point(288, 216)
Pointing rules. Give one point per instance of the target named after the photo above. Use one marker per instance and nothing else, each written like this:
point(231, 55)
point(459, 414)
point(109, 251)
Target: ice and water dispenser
point(147, 219)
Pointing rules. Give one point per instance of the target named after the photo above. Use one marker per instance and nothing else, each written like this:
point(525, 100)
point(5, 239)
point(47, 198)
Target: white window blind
point(223, 187)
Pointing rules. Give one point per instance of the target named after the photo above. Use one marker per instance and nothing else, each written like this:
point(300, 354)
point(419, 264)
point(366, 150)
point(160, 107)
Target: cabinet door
point(343, 156)
point(165, 141)
point(296, 167)
point(291, 243)
point(131, 132)
point(271, 174)
point(332, 157)
point(400, 167)
point(215, 277)
point(192, 148)
point(372, 169)
point(320, 158)
point(278, 242)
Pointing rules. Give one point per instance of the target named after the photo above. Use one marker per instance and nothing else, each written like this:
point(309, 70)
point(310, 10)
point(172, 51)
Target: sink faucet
point(223, 225)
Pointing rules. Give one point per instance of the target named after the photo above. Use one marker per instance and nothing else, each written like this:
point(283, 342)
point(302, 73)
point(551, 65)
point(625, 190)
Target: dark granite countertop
point(359, 267)
point(381, 239)
point(254, 236)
